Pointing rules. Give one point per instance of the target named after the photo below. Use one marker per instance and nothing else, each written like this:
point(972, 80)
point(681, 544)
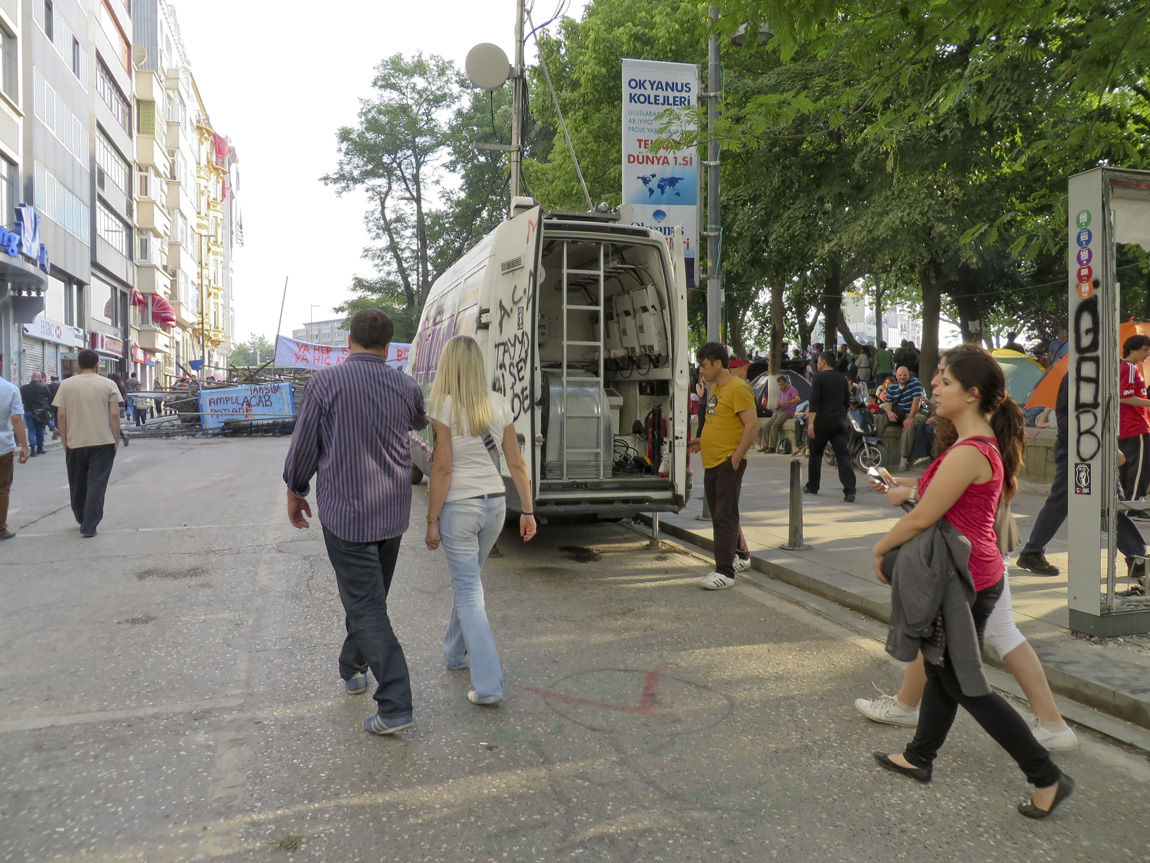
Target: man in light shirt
point(89, 418)
point(11, 430)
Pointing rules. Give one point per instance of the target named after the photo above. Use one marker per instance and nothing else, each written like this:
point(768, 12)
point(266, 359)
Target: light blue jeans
point(469, 529)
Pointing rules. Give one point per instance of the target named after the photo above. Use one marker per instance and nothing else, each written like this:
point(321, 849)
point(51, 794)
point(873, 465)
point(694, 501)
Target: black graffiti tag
point(512, 359)
point(1086, 379)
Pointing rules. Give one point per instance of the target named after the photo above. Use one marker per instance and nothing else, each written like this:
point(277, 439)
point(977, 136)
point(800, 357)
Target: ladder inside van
point(570, 274)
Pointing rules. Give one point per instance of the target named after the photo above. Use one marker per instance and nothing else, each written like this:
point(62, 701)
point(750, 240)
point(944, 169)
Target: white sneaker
point(902, 464)
point(716, 581)
point(887, 710)
point(1055, 741)
point(742, 564)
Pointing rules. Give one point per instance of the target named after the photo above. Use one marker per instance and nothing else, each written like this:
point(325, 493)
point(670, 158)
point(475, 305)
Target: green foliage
point(431, 193)
point(254, 352)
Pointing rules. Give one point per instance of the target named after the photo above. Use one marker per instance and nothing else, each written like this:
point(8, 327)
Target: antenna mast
point(517, 103)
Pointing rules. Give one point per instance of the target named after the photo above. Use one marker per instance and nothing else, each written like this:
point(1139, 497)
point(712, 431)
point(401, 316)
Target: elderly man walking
point(89, 420)
point(352, 435)
point(11, 430)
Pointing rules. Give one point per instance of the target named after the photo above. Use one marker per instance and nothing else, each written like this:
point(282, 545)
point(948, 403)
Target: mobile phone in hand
point(882, 475)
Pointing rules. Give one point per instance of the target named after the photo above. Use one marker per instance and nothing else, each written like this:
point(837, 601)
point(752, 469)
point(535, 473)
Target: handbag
point(41, 416)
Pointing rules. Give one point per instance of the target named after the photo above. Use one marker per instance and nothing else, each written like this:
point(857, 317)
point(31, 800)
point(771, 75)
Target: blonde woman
point(466, 505)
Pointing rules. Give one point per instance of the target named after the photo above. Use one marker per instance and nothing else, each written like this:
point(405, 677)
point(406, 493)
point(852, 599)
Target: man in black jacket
point(827, 423)
point(36, 415)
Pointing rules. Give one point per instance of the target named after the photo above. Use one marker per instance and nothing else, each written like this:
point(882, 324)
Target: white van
point(582, 320)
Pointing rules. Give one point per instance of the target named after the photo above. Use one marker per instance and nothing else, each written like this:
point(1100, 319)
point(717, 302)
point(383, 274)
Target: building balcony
point(185, 315)
point(154, 339)
point(151, 151)
point(151, 279)
point(213, 337)
point(152, 216)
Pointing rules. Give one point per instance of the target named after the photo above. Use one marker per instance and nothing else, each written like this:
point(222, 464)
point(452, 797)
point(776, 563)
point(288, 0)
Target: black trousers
point(943, 696)
point(1134, 475)
point(89, 468)
point(838, 438)
point(722, 485)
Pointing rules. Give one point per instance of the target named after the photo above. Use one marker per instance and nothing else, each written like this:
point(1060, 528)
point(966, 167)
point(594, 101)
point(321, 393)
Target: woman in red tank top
point(964, 487)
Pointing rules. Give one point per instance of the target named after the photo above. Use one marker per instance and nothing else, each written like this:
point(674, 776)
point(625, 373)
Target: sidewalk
point(1110, 675)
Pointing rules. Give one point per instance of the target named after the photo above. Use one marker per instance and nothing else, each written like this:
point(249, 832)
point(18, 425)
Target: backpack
point(784, 447)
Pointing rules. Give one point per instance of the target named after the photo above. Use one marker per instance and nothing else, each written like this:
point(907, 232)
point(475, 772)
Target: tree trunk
point(778, 322)
point(879, 293)
point(931, 315)
point(832, 304)
point(848, 337)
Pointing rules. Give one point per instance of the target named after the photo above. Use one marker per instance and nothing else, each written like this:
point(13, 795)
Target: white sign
point(293, 354)
point(662, 187)
point(52, 331)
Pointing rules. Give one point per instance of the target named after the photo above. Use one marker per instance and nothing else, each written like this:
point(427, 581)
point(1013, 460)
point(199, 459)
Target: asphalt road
point(169, 692)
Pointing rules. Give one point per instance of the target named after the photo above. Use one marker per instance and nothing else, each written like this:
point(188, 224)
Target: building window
point(8, 63)
point(76, 57)
point(113, 96)
point(49, 24)
point(114, 166)
point(146, 117)
point(56, 202)
point(8, 174)
point(113, 230)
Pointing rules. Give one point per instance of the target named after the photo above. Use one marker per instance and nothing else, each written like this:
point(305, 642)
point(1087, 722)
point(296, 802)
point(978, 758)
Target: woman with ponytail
point(964, 487)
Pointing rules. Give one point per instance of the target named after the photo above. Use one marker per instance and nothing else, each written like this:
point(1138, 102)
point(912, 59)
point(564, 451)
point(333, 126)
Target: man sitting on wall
point(902, 404)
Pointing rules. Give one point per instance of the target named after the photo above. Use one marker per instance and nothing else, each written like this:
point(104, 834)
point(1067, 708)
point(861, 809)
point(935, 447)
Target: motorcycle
point(864, 446)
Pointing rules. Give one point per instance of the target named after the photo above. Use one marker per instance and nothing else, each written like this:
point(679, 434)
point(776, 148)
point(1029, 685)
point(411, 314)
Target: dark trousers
point(1134, 475)
point(838, 439)
point(89, 468)
point(1053, 514)
point(363, 572)
point(6, 473)
point(943, 696)
point(722, 485)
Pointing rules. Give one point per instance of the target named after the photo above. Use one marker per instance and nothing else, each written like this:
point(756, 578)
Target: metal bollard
point(795, 531)
point(653, 542)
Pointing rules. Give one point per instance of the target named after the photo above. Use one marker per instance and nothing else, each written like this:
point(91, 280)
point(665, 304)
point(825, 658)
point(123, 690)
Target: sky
point(280, 86)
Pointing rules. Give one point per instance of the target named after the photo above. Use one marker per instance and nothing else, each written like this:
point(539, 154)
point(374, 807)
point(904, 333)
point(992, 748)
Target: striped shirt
point(902, 397)
point(352, 434)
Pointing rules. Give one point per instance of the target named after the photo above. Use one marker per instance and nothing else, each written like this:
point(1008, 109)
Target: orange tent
point(1046, 392)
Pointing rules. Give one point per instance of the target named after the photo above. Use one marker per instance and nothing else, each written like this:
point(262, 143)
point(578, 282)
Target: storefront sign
point(262, 403)
point(53, 331)
point(103, 344)
point(307, 355)
point(141, 357)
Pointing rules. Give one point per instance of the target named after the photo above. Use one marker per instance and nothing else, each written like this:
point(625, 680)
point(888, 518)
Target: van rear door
point(681, 376)
point(511, 320)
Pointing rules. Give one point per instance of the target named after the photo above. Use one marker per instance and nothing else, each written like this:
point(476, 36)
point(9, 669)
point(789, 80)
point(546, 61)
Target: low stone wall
point(1038, 470)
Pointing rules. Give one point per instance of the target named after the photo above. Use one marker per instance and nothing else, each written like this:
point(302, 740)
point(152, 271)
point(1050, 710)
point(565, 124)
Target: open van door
point(681, 380)
point(511, 323)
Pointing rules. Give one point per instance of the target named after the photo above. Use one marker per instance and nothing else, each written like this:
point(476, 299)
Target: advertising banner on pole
point(662, 188)
point(292, 354)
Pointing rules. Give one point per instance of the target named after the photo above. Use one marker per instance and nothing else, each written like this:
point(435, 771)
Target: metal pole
point(654, 529)
point(714, 85)
point(518, 94)
point(795, 531)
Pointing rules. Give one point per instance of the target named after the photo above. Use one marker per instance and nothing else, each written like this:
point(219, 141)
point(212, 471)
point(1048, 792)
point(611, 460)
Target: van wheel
point(416, 475)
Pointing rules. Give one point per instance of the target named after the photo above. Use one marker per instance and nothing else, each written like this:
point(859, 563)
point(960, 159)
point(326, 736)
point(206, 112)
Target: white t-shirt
point(473, 471)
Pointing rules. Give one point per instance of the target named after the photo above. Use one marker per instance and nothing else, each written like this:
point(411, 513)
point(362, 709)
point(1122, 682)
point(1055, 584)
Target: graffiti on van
point(513, 350)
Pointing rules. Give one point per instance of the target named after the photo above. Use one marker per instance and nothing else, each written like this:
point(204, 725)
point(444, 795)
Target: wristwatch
point(432, 519)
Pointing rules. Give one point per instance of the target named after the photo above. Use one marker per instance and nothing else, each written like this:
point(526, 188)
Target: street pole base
point(795, 547)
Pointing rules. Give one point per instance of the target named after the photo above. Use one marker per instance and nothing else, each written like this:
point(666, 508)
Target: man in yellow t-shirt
point(728, 430)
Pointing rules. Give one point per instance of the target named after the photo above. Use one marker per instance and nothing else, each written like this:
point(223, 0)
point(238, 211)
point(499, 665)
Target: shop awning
point(162, 311)
point(138, 299)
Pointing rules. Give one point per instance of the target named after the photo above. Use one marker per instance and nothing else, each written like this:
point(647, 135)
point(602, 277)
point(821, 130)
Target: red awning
point(138, 299)
point(162, 311)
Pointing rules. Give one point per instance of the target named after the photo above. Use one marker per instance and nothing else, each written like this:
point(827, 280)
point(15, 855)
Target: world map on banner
point(294, 354)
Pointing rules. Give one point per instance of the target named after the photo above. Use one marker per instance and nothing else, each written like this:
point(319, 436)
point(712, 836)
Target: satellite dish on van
point(487, 66)
point(139, 55)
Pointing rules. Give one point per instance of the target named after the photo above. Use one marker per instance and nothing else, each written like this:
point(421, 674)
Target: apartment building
point(322, 332)
point(118, 211)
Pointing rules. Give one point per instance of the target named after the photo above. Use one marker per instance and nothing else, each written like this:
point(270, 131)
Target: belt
point(493, 494)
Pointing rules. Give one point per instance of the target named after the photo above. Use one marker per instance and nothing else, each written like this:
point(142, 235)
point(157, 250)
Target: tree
point(431, 194)
point(256, 351)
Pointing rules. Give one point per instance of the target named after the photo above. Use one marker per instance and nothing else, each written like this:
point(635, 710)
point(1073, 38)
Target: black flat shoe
point(808, 490)
point(1065, 789)
point(922, 774)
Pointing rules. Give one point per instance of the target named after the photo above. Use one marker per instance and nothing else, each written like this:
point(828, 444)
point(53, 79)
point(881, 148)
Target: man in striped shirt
point(901, 404)
point(352, 435)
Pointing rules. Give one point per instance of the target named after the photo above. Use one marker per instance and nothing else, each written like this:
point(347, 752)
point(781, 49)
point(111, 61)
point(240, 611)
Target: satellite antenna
point(487, 66)
point(139, 55)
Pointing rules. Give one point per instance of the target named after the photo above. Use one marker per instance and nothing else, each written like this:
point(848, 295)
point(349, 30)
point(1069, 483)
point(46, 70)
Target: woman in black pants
point(964, 487)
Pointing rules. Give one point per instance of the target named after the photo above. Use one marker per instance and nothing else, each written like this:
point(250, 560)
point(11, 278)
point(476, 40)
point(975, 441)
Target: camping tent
point(1046, 392)
point(1021, 372)
point(797, 381)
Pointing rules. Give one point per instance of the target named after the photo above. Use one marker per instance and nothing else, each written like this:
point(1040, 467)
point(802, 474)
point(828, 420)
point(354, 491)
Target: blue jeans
point(35, 432)
point(469, 529)
point(363, 572)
